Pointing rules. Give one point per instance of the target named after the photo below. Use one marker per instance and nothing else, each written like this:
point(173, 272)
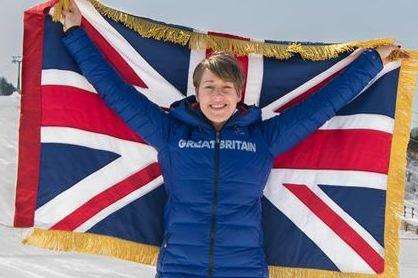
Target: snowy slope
point(9, 113)
point(409, 255)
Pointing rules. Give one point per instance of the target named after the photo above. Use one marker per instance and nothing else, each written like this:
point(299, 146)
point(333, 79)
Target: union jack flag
point(82, 169)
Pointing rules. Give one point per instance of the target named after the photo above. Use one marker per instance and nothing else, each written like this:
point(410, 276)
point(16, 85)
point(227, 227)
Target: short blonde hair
point(222, 64)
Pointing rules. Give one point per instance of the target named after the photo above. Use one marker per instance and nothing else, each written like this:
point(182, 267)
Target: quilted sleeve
point(287, 129)
point(143, 116)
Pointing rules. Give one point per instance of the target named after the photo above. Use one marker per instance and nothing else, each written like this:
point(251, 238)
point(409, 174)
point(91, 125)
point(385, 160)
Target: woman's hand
point(72, 16)
point(385, 52)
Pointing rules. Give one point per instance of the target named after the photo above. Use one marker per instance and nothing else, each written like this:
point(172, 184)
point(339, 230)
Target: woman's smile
point(217, 98)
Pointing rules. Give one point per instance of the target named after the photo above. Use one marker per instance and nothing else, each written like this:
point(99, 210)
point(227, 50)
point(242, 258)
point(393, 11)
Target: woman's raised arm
point(142, 115)
point(284, 131)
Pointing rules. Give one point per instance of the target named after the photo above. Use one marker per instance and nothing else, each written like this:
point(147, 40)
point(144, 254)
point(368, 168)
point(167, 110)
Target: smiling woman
point(218, 81)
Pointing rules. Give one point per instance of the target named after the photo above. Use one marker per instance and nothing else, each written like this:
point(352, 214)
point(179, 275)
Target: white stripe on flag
point(134, 156)
point(345, 178)
point(66, 78)
point(254, 79)
point(338, 251)
point(120, 204)
point(361, 121)
point(159, 90)
point(196, 56)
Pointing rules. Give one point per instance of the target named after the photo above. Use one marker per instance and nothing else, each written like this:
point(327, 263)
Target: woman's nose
point(218, 96)
point(217, 91)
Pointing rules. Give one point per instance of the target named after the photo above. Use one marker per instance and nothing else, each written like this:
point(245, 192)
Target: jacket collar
point(187, 110)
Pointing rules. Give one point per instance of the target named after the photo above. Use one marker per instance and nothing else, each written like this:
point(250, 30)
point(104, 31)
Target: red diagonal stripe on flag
point(338, 225)
point(66, 106)
point(108, 197)
point(340, 149)
point(113, 57)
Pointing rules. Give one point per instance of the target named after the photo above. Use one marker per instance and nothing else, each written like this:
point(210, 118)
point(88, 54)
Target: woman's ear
point(239, 94)
point(196, 94)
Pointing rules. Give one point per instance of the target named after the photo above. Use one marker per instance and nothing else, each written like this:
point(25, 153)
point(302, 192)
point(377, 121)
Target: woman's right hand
point(72, 16)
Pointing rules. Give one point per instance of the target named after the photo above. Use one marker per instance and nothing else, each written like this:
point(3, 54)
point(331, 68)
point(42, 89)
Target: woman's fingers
point(67, 14)
point(389, 53)
point(73, 7)
point(71, 16)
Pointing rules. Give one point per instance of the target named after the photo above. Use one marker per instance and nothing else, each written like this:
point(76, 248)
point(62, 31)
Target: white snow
point(409, 255)
point(9, 114)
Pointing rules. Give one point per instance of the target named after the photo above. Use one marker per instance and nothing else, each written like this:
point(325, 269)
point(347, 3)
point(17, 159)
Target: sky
point(292, 20)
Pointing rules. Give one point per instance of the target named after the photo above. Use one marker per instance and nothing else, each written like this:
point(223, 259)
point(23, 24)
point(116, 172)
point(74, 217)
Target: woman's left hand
point(72, 16)
point(385, 51)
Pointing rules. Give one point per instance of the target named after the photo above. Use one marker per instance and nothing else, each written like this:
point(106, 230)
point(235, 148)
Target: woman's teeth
point(218, 106)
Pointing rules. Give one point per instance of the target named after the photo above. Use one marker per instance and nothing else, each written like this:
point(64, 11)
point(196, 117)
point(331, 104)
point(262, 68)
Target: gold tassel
point(58, 8)
point(150, 29)
point(93, 244)
point(145, 28)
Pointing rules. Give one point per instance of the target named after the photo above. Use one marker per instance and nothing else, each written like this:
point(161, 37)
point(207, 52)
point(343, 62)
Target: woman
point(215, 153)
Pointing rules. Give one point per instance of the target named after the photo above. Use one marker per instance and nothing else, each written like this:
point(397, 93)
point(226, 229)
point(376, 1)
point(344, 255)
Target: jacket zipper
point(214, 207)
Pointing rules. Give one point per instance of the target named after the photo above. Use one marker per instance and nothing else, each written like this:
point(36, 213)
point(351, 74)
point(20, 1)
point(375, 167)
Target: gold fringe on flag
point(194, 40)
point(93, 244)
point(397, 167)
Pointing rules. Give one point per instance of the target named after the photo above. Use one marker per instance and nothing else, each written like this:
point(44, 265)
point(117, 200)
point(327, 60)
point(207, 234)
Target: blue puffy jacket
point(215, 180)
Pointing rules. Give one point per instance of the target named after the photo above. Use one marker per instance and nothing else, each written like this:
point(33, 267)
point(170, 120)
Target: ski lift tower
point(17, 60)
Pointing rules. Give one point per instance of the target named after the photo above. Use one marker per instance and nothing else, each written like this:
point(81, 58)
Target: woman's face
point(217, 98)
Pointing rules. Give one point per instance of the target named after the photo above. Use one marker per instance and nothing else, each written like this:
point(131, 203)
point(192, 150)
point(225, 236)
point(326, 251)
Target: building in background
point(411, 185)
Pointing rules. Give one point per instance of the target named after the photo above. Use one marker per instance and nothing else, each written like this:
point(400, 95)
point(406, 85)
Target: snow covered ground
point(9, 119)
point(409, 255)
